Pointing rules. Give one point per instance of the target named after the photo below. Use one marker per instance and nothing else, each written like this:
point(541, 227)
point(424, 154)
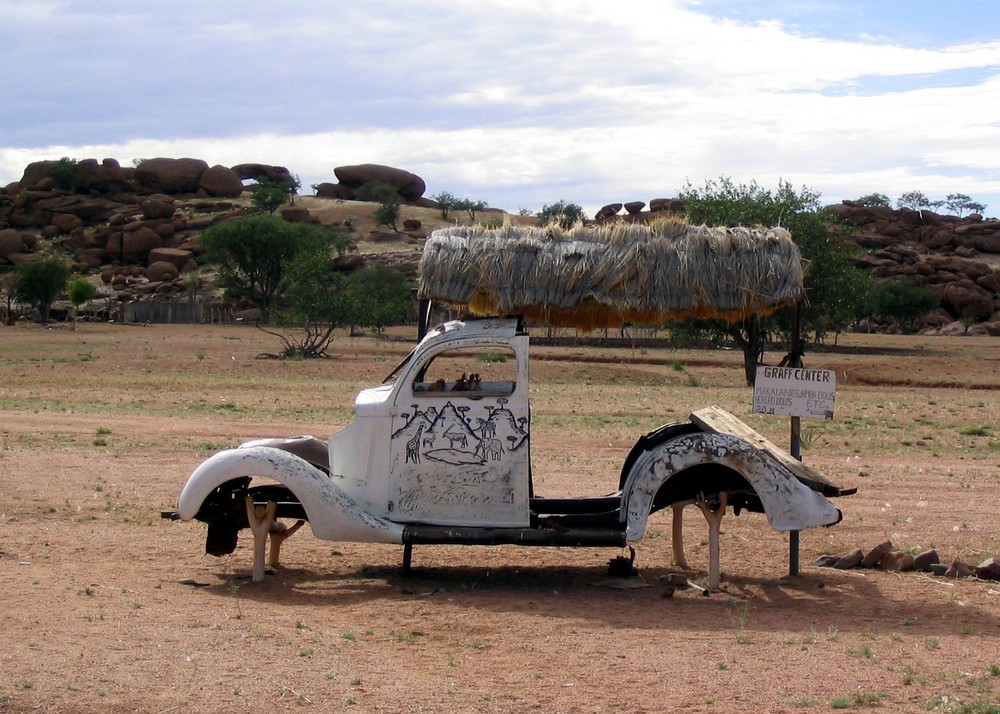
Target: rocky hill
point(135, 229)
point(956, 258)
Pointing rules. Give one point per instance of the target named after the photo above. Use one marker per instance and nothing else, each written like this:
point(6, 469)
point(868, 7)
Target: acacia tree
point(903, 301)
point(318, 301)
point(445, 201)
point(469, 206)
point(252, 253)
point(829, 262)
point(267, 196)
point(387, 214)
point(39, 283)
point(563, 212)
point(959, 203)
point(873, 200)
point(321, 299)
point(383, 296)
point(8, 283)
point(916, 200)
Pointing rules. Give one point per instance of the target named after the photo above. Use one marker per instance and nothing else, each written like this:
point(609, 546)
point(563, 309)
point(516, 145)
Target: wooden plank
point(720, 421)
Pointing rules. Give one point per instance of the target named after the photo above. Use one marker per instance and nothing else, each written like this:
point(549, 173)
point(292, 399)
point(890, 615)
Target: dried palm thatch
point(592, 277)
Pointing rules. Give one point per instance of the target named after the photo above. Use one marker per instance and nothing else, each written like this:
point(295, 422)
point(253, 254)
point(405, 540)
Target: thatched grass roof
point(603, 276)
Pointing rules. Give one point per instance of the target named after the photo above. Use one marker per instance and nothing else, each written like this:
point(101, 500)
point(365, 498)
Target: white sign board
point(795, 391)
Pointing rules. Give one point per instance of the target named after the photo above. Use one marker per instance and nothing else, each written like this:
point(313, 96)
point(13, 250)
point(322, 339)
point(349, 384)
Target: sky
point(520, 103)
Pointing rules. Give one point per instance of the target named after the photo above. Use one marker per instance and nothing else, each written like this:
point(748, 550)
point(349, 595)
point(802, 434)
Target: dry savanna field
point(101, 427)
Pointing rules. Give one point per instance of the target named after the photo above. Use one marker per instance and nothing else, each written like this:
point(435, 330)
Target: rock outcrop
point(956, 258)
point(409, 186)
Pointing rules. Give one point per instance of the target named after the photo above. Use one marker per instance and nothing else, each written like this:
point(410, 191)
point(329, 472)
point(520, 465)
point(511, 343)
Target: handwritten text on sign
point(795, 391)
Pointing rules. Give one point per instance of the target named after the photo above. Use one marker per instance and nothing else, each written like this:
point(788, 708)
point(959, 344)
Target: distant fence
point(164, 312)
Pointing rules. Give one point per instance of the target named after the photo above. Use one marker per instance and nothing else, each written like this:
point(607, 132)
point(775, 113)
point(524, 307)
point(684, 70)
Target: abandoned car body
point(437, 458)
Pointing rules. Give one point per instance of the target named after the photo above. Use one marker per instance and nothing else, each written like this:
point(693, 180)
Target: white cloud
point(515, 102)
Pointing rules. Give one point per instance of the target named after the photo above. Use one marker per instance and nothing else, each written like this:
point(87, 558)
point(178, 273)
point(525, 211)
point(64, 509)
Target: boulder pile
point(885, 557)
point(956, 258)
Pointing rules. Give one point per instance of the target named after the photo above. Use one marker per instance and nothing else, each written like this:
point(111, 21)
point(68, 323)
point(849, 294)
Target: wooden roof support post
point(796, 432)
point(677, 536)
point(423, 317)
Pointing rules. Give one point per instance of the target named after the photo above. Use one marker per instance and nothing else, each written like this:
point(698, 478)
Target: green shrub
point(376, 192)
point(64, 173)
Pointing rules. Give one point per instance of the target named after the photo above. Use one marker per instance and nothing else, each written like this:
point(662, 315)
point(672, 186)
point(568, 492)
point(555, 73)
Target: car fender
point(788, 503)
point(332, 514)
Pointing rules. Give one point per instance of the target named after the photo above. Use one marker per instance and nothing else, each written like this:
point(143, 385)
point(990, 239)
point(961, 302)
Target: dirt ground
point(100, 428)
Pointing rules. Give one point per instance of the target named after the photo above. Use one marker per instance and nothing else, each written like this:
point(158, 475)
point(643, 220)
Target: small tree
point(8, 283)
point(40, 282)
point(916, 200)
point(873, 200)
point(471, 207)
point(80, 291)
point(562, 212)
point(383, 294)
point(267, 196)
point(903, 301)
point(318, 301)
point(724, 202)
point(64, 172)
point(445, 202)
point(252, 253)
point(959, 203)
point(387, 214)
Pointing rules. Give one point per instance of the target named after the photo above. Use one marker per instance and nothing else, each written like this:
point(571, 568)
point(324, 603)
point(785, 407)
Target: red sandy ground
point(101, 427)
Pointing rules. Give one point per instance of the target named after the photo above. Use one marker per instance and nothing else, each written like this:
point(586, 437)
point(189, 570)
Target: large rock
point(221, 181)
point(175, 256)
point(607, 211)
point(896, 562)
point(965, 299)
point(987, 243)
point(873, 556)
point(409, 186)
point(170, 176)
point(160, 271)
point(258, 172)
point(850, 560)
point(157, 207)
point(66, 222)
point(333, 190)
point(958, 569)
point(666, 204)
point(989, 569)
point(12, 241)
point(137, 244)
point(297, 214)
point(925, 560)
point(34, 173)
point(89, 209)
point(105, 177)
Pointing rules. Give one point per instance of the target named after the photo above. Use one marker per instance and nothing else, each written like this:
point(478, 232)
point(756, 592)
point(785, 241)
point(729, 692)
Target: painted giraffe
point(413, 447)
